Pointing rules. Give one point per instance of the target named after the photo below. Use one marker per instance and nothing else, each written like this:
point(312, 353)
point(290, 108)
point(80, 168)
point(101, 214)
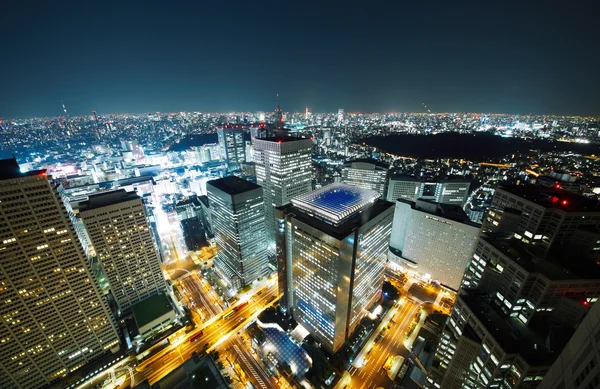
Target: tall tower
point(336, 241)
point(284, 170)
point(231, 139)
point(238, 221)
point(278, 116)
point(118, 228)
point(54, 318)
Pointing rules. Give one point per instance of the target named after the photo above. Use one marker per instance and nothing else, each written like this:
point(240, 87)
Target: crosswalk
point(249, 365)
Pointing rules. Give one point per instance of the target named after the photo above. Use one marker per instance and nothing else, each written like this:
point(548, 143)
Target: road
point(216, 331)
point(372, 375)
point(238, 353)
point(200, 298)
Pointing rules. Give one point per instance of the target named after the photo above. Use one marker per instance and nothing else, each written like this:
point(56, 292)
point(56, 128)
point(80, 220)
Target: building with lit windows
point(284, 170)
point(118, 228)
point(238, 219)
point(513, 318)
point(332, 246)
point(365, 173)
point(578, 364)
point(231, 140)
point(539, 215)
point(450, 190)
point(432, 239)
point(54, 318)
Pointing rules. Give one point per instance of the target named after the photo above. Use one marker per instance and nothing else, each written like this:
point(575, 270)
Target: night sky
point(127, 56)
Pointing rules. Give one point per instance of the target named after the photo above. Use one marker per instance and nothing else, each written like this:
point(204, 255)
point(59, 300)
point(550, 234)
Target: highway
point(372, 375)
point(215, 331)
point(199, 296)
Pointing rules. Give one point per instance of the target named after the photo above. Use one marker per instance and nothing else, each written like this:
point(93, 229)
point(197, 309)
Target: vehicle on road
point(196, 336)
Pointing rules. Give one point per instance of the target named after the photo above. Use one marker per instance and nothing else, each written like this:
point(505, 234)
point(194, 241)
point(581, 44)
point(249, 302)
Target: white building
point(432, 239)
point(54, 318)
point(450, 190)
point(365, 173)
point(284, 170)
point(118, 228)
point(238, 222)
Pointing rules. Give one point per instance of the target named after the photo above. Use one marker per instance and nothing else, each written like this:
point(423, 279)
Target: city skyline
point(516, 58)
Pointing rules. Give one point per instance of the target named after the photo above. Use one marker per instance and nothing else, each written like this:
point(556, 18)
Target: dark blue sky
point(143, 56)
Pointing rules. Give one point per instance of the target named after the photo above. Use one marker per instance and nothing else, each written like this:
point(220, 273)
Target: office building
point(231, 140)
point(365, 173)
point(118, 228)
point(508, 329)
point(540, 215)
point(54, 318)
point(578, 364)
point(238, 220)
point(432, 239)
point(450, 190)
point(284, 170)
point(332, 246)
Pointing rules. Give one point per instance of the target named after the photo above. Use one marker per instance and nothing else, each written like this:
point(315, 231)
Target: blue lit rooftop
point(336, 202)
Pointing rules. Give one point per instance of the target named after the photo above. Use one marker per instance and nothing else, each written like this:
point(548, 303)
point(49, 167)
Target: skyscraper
point(284, 170)
point(231, 139)
point(433, 239)
point(508, 329)
point(365, 173)
point(449, 190)
point(538, 215)
point(118, 229)
point(238, 221)
point(333, 245)
point(54, 318)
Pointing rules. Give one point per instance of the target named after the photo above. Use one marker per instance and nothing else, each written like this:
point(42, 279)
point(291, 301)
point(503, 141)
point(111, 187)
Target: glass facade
point(232, 143)
point(284, 170)
point(238, 225)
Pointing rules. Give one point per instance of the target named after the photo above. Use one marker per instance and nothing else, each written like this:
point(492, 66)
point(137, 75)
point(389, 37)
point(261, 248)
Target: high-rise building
point(365, 173)
point(433, 239)
point(231, 140)
point(578, 364)
point(539, 215)
point(238, 219)
point(332, 246)
point(340, 116)
point(506, 330)
point(54, 318)
point(450, 190)
point(118, 228)
point(284, 170)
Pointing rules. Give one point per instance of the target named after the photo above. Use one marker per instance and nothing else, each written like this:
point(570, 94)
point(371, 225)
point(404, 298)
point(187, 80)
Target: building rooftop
point(371, 161)
point(336, 202)
point(107, 198)
point(195, 373)
point(405, 177)
point(539, 344)
point(551, 197)
point(9, 168)
point(343, 229)
point(554, 266)
point(447, 211)
point(151, 308)
point(281, 138)
point(233, 185)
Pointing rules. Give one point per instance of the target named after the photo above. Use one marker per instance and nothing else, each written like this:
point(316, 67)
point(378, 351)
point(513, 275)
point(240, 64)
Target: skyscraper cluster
point(522, 297)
